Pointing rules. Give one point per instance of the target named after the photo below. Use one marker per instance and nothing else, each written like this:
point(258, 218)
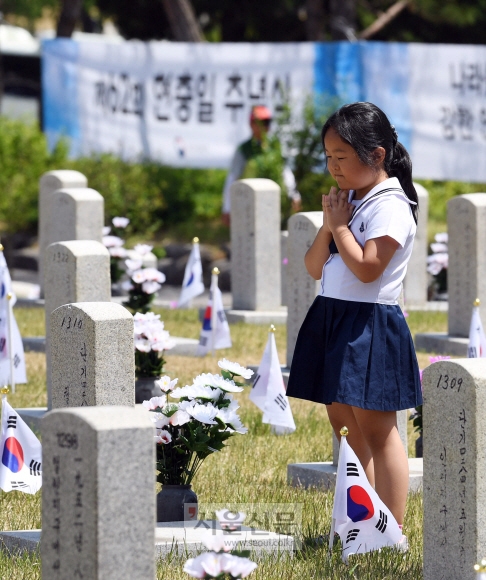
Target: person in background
point(260, 121)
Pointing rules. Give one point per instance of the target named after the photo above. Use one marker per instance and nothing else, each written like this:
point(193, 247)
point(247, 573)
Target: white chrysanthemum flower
point(442, 237)
point(133, 265)
point(105, 230)
point(166, 384)
point(151, 287)
point(155, 402)
point(160, 345)
point(226, 385)
point(138, 276)
point(180, 417)
point(232, 420)
point(237, 566)
point(154, 275)
point(235, 368)
point(162, 421)
point(163, 436)
point(218, 382)
point(194, 566)
point(197, 392)
point(112, 241)
point(117, 252)
point(438, 247)
point(142, 249)
point(203, 413)
point(127, 285)
point(143, 345)
point(120, 222)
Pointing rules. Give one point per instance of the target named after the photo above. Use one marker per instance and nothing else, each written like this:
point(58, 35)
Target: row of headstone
point(466, 274)
point(74, 266)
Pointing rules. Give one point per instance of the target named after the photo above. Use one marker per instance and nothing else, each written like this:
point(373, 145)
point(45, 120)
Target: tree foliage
point(445, 21)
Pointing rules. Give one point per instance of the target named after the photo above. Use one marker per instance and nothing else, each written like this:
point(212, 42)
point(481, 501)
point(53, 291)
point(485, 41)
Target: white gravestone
point(454, 482)
point(284, 238)
point(255, 245)
point(301, 287)
point(466, 275)
point(92, 357)
point(415, 283)
point(48, 184)
point(98, 497)
point(75, 271)
point(74, 214)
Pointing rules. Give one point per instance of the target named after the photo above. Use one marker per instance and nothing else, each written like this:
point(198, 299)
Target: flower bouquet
point(151, 340)
point(114, 243)
point(143, 282)
point(437, 265)
point(198, 424)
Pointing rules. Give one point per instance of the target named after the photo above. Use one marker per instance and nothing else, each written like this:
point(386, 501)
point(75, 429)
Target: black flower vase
point(145, 389)
point(170, 503)
point(419, 446)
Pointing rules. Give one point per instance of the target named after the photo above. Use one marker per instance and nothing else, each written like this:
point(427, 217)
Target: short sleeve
point(390, 216)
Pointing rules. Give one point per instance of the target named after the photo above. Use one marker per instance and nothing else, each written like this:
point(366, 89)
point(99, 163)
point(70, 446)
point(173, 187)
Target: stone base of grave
point(253, 316)
point(323, 474)
point(177, 538)
point(431, 306)
point(183, 346)
point(441, 343)
point(257, 316)
point(32, 416)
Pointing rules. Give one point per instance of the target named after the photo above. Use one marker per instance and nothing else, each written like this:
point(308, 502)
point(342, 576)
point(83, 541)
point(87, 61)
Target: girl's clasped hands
point(337, 209)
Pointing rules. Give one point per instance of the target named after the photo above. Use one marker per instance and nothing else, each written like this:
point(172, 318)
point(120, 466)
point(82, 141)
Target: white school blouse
point(383, 211)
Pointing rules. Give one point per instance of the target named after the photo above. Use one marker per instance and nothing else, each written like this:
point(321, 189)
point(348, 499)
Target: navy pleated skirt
point(357, 353)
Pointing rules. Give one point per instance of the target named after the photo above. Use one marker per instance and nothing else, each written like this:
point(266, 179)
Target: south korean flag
point(268, 392)
point(477, 340)
point(21, 452)
point(361, 519)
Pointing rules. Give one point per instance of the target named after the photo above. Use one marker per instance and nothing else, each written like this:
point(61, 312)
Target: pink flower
point(437, 358)
point(120, 222)
point(163, 436)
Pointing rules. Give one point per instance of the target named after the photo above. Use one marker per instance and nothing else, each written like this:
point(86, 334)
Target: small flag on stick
point(268, 392)
point(192, 285)
point(21, 466)
point(477, 340)
point(12, 359)
point(215, 332)
point(361, 519)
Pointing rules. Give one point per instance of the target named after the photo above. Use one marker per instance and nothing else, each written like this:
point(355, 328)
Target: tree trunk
point(384, 19)
point(70, 15)
point(182, 20)
point(343, 19)
point(314, 23)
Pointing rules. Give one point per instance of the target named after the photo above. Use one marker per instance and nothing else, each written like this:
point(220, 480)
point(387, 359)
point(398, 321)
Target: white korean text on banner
point(187, 104)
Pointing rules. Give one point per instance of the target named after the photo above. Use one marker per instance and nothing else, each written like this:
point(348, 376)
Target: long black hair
point(365, 127)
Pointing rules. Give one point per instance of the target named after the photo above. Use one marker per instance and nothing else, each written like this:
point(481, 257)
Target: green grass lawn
point(252, 469)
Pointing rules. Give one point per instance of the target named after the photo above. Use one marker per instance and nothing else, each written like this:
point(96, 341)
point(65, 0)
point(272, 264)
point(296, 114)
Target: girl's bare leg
point(343, 416)
point(390, 461)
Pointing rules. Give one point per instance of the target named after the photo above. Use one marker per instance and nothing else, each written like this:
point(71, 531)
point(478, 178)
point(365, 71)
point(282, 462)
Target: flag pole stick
point(214, 314)
point(10, 345)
